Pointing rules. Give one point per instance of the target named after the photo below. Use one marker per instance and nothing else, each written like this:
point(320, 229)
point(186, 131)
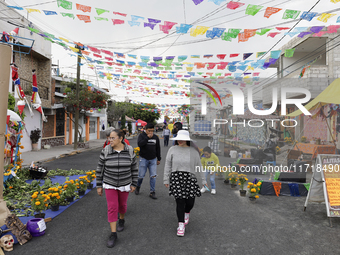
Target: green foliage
point(122, 121)
point(136, 112)
point(115, 110)
point(11, 102)
point(129, 127)
point(87, 99)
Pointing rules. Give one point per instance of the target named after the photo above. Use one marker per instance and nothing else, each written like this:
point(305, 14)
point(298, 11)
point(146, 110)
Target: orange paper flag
point(83, 8)
point(85, 18)
point(277, 187)
point(243, 37)
point(270, 11)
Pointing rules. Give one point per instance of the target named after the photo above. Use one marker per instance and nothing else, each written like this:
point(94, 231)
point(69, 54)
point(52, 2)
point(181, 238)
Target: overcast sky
point(103, 34)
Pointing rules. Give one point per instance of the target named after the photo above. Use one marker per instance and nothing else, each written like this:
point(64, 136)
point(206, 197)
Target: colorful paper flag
point(308, 15)
point(270, 11)
point(29, 10)
point(234, 5)
point(221, 56)
point(101, 11)
point(85, 18)
point(263, 31)
point(64, 4)
point(70, 15)
point(333, 29)
point(273, 34)
point(117, 21)
point(243, 37)
point(83, 8)
point(183, 28)
point(259, 54)
point(289, 53)
point(290, 14)
point(216, 32)
point(167, 26)
point(246, 55)
point(196, 2)
point(325, 16)
point(302, 34)
point(121, 14)
point(253, 9)
point(50, 12)
point(231, 34)
point(101, 18)
point(217, 2)
point(199, 30)
point(182, 58)
point(335, 1)
point(16, 7)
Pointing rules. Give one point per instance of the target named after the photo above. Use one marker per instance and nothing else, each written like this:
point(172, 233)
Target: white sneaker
point(186, 218)
point(213, 191)
point(180, 229)
point(203, 190)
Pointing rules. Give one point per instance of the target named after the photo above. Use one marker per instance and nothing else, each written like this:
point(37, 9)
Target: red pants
point(116, 203)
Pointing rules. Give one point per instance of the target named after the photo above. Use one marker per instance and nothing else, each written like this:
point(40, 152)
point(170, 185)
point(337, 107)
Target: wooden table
point(315, 149)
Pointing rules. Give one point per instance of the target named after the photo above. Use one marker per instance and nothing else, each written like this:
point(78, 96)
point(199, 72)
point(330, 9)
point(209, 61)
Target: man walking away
point(150, 157)
point(166, 135)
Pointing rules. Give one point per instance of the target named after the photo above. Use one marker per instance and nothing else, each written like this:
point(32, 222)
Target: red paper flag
point(234, 55)
point(282, 28)
point(270, 11)
point(221, 56)
point(107, 52)
point(97, 56)
point(121, 14)
point(272, 35)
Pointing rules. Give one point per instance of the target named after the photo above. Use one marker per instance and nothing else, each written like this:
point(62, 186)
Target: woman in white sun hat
point(180, 173)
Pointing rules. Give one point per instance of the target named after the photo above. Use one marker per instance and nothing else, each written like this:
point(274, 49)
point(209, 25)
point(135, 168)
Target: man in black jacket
point(150, 157)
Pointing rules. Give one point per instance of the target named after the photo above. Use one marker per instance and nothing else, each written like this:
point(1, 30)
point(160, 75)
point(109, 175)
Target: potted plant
point(136, 151)
point(90, 176)
point(35, 136)
point(303, 139)
point(81, 184)
point(254, 190)
point(233, 178)
point(69, 189)
point(242, 178)
point(39, 203)
point(55, 199)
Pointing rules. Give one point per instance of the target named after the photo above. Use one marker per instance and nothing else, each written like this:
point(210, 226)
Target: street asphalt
point(224, 223)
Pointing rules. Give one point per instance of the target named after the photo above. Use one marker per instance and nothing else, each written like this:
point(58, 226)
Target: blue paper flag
point(308, 15)
point(275, 54)
point(183, 28)
point(50, 12)
point(216, 32)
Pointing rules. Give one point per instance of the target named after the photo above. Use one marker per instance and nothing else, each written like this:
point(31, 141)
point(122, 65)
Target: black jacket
point(149, 147)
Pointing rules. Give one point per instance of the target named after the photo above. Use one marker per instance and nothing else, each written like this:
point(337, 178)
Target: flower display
point(55, 195)
point(288, 140)
point(277, 149)
point(242, 178)
point(233, 177)
point(81, 183)
point(303, 139)
point(40, 201)
point(91, 175)
point(254, 189)
point(136, 151)
point(69, 187)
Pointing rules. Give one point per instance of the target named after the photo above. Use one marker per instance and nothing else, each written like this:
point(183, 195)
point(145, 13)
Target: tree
point(11, 102)
point(87, 100)
point(116, 110)
point(130, 127)
point(122, 121)
point(148, 113)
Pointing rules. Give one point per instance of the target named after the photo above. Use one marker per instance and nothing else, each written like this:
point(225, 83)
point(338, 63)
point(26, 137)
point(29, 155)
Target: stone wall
point(54, 141)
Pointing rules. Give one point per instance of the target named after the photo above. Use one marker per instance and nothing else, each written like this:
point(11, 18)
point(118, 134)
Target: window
point(198, 116)
point(92, 127)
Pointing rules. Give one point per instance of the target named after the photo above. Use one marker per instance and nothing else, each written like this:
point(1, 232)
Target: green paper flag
point(168, 68)
point(178, 68)
point(101, 11)
point(289, 53)
point(200, 73)
point(48, 39)
point(218, 74)
point(49, 35)
point(232, 33)
point(100, 18)
point(62, 44)
point(149, 67)
point(263, 31)
point(160, 68)
point(307, 185)
point(168, 62)
point(253, 9)
point(182, 58)
point(67, 15)
point(290, 14)
point(259, 54)
point(65, 4)
point(34, 30)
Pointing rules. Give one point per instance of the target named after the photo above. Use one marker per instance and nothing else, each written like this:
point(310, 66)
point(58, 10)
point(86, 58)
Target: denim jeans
point(174, 135)
point(212, 179)
point(166, 140)
point(144, 164)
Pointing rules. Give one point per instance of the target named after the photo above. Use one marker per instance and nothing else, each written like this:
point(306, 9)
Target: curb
point(64, 155)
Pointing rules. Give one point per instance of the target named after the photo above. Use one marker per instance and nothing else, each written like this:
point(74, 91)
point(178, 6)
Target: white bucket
point(248, 154)
point(233, 154)
point(240, 155)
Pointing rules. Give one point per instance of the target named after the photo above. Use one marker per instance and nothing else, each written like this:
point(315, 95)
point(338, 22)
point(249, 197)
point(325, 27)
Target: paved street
point(224, 223)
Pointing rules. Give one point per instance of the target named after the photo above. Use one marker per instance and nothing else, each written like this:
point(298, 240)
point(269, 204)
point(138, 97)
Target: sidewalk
point(57, 152)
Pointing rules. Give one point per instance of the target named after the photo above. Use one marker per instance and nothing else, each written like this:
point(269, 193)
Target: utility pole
point(76, 121)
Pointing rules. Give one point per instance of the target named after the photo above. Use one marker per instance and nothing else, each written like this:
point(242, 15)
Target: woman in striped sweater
point(117, 173)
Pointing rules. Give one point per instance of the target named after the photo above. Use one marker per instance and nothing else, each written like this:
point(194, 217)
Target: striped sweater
point(119, 168)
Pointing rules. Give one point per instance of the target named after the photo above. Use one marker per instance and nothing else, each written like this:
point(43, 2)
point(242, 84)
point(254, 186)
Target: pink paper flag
point(167, 26)
point(117, 21)
point(270, 11)
point(333, 29)
point(282, 28)
point(234, 5)
point(321, 33)
point(94, 49)
point(108, 52)
point(273, 34)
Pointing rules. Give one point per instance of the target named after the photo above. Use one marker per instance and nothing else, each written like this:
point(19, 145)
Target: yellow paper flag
point(189, 69)
point(74, 49)
point(32, 10)
point(65, 40)
point(335, 1)
point(199, 30)
point(325, 16)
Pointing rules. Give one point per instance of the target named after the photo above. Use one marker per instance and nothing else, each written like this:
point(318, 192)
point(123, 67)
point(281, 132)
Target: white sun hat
point(182, 135)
